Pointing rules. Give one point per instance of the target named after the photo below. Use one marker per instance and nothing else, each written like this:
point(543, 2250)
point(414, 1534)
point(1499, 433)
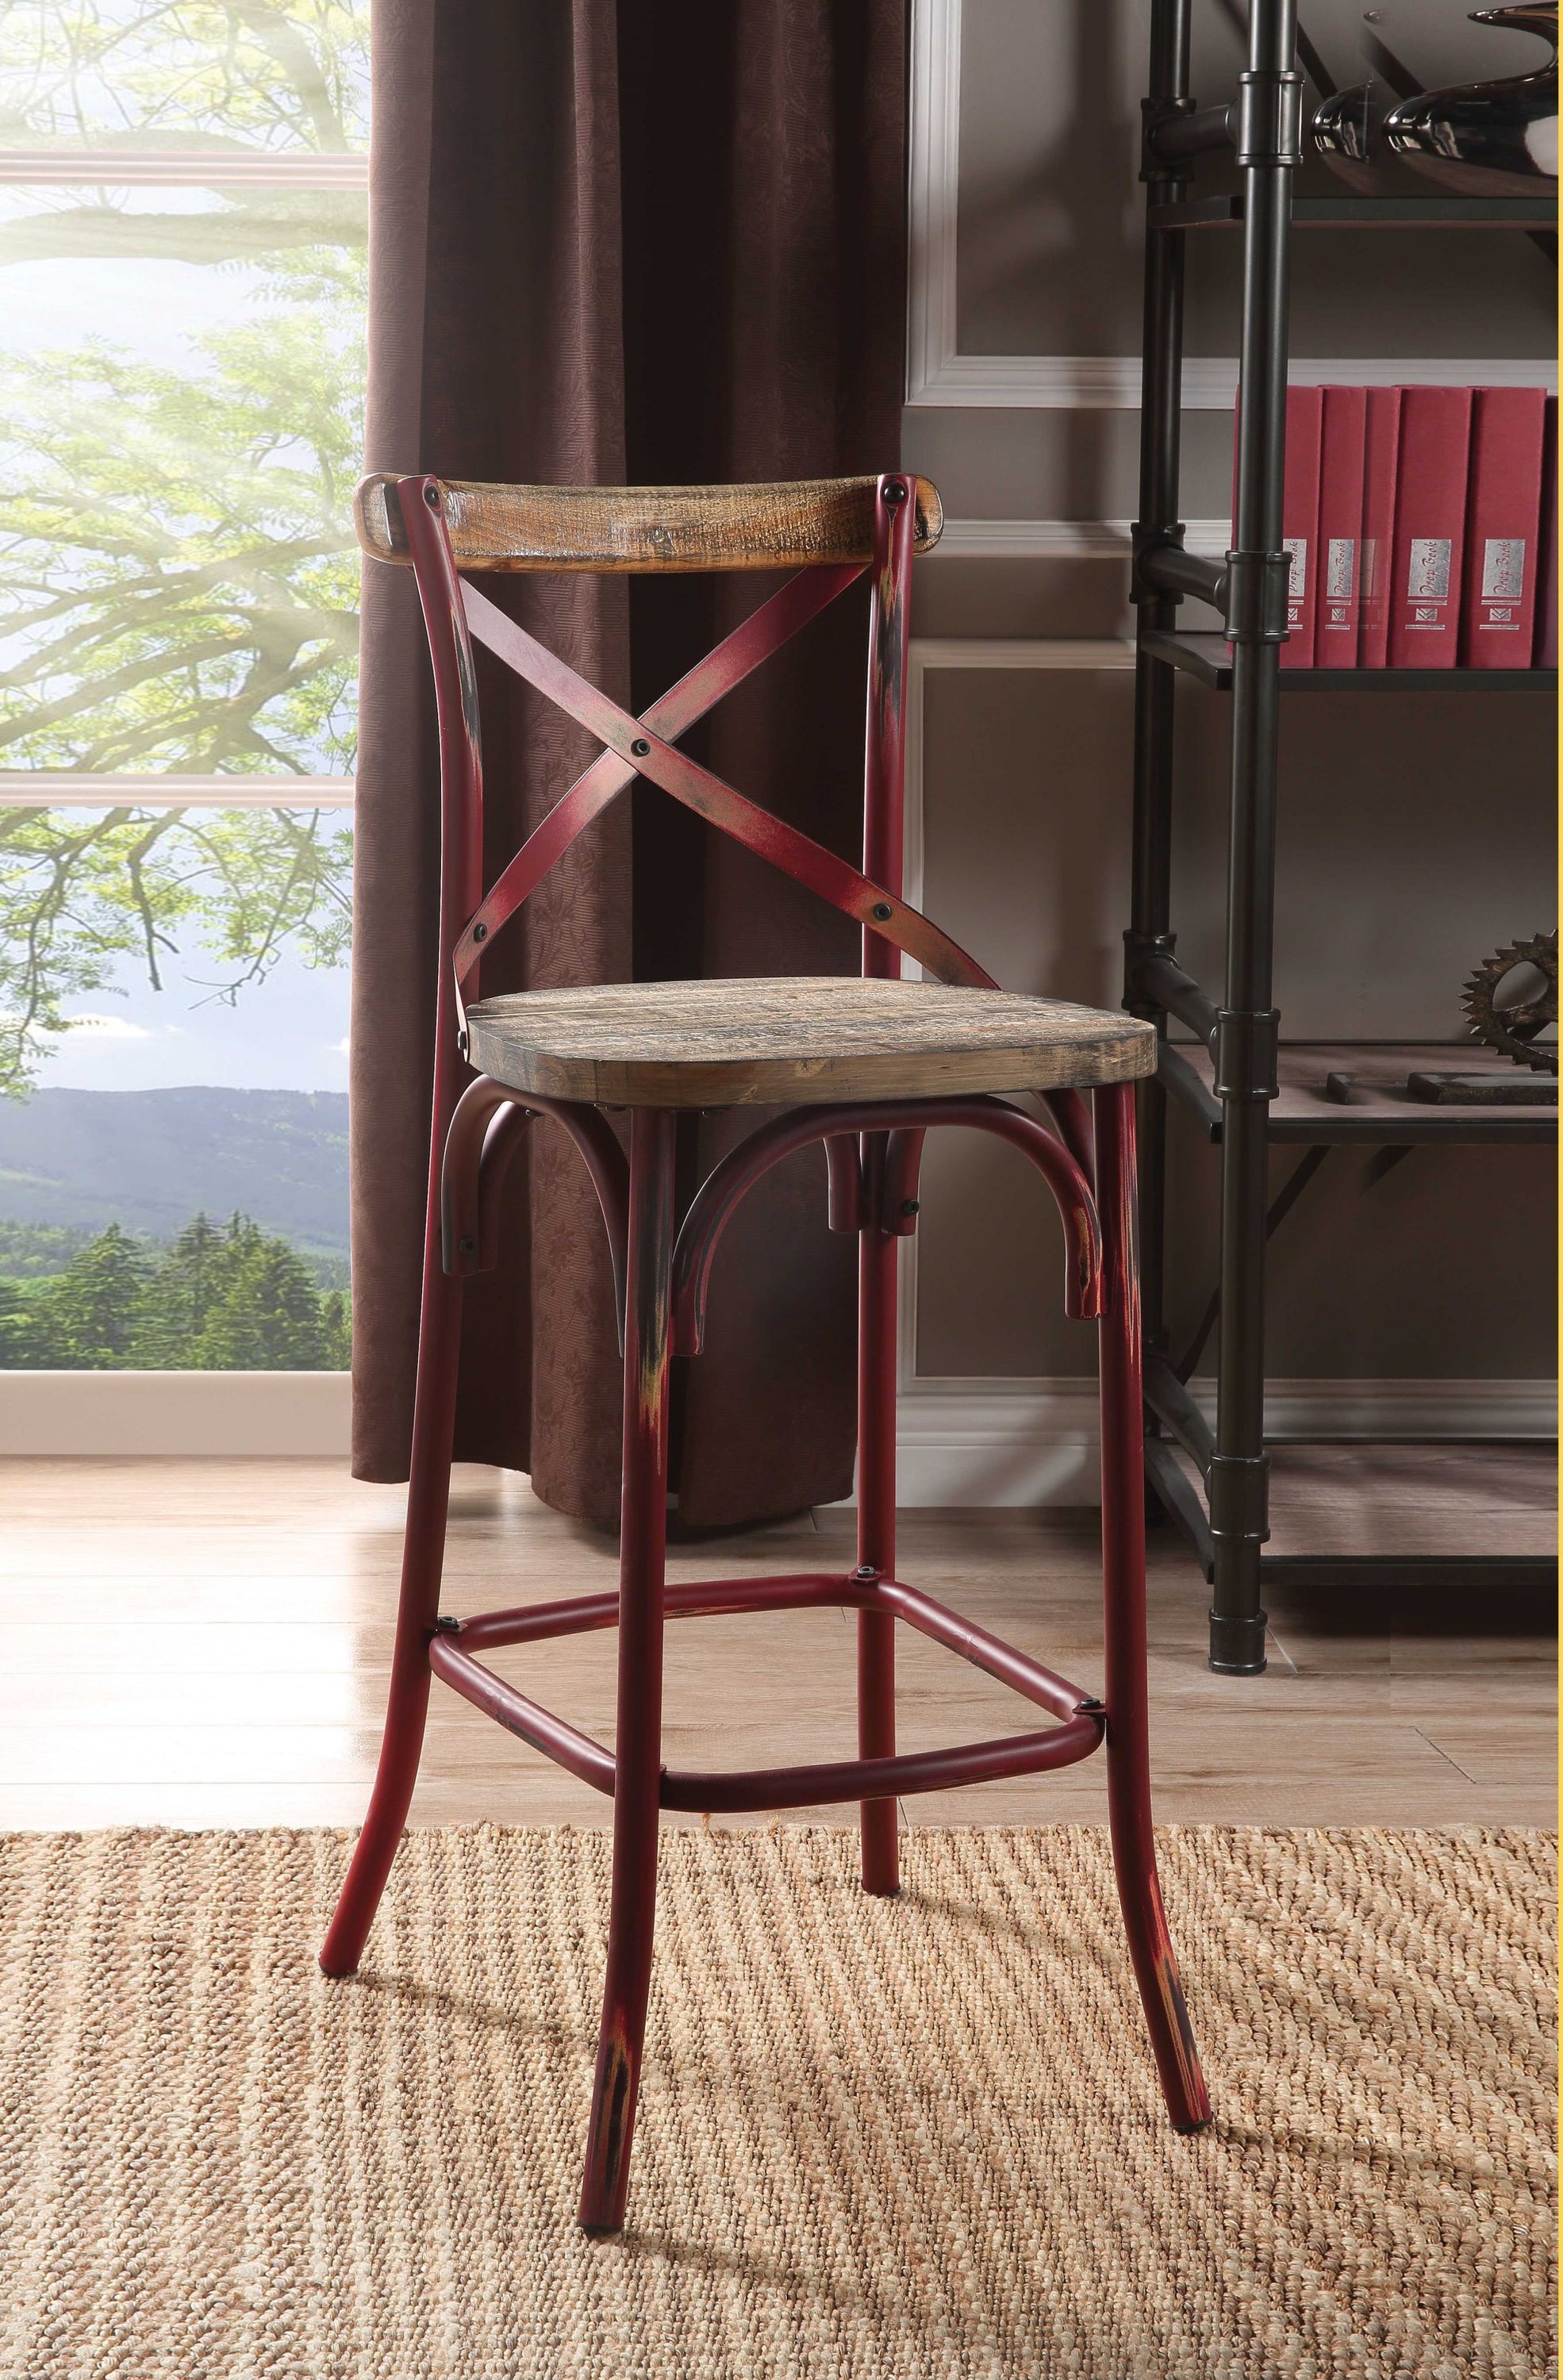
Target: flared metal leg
point(1123, 1573)
point(637, 1749)
point(878, 1253)
point(423, 1554)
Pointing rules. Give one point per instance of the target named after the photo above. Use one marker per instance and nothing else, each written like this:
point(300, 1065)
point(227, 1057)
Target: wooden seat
point(734, 1043)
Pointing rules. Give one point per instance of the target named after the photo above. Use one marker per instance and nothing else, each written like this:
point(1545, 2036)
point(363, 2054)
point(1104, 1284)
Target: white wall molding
point(60, 789)
point(1013, 653)
point(1411, 1410)
point(213, 1413)
point(1111, 383)
point(937, 373)
point(926, 653)
point(1035, 1442)
point(1061, 541)
point(961, 1441)
point(996, 1442)
point(932, 1454)
point(933, 137)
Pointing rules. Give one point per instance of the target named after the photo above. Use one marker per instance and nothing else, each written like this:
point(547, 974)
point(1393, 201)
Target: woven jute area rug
point(886, 2139)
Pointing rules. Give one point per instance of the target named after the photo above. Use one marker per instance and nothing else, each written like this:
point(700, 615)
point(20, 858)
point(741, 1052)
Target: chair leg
point(423, 1553)
point(637, 1744)
point(1123, 1573)
point(877, 1254)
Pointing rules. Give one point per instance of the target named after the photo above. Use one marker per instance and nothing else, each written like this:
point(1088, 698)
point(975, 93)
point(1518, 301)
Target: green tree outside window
point(179, 579)
point(218, 1299)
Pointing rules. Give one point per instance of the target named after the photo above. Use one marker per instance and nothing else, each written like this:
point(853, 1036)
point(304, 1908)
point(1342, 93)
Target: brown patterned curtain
point(611, 240)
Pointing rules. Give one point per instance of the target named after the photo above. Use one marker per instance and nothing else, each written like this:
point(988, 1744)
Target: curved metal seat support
point(1071, 1111)
point(844, 1173)
point(484, 1132)
point(1071, 1122)
point(906, 1120)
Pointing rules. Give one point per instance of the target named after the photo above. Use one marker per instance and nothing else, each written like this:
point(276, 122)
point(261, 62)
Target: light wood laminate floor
point(205, 1643)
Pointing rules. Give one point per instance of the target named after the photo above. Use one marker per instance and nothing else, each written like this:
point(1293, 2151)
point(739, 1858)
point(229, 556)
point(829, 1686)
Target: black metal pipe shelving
point(1238, 1078)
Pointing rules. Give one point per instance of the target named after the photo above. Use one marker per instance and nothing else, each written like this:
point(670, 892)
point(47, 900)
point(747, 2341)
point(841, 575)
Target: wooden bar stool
point(875, 1061)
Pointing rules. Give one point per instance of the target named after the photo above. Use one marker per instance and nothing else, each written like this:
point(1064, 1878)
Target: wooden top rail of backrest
point(783, 526)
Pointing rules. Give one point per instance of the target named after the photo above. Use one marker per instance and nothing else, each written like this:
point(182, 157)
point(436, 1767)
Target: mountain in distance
point(151, 1159)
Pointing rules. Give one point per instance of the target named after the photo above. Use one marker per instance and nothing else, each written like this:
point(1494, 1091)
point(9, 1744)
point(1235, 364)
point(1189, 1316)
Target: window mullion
point(122, 168)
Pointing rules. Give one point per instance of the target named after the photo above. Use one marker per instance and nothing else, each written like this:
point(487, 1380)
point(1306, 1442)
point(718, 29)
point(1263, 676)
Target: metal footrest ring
point(1083, 1719)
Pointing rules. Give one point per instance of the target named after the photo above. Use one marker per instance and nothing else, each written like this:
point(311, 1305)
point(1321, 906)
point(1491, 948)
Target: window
point(182, 233)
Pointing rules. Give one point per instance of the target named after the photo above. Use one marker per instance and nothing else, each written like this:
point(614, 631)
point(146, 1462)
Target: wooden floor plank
point(216, 1654)
point(1508, 1752)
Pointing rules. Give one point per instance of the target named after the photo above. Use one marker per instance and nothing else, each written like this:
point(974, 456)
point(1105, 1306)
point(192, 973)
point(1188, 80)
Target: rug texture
point(877, 2141)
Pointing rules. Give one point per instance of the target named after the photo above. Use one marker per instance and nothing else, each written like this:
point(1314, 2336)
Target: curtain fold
point(609, 242)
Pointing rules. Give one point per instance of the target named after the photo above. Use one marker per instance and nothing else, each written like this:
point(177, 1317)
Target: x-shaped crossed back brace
point(644, 746)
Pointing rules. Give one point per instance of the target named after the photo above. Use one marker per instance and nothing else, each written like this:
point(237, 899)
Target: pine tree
point(227, 1299)
point(87, 1318)
point(182, 1293)
point(336, 1321)
point(13, 1326)
point(268, 1317)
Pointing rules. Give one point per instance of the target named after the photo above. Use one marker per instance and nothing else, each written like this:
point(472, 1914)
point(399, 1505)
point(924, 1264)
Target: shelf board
point(1205, 654)
point(1380, 1115)
point(1469, 1513)
point(1399, 213)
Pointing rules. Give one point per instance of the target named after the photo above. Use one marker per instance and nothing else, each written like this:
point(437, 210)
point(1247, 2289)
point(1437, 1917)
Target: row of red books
point(1423, 529)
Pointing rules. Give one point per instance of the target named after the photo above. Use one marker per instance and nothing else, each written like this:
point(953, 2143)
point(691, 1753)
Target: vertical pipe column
point(878, 1249)
point(1156, 680)
point(638, 1743)
point(1123, 1582)
point(1246, 1049)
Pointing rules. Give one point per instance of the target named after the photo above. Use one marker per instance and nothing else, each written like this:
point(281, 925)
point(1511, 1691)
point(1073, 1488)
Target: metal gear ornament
point(1513, 1026)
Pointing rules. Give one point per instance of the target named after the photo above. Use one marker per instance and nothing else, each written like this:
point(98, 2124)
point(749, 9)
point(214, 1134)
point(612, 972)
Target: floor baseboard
point(962, 1442)
point(1034, 1442)
point(224, 1414)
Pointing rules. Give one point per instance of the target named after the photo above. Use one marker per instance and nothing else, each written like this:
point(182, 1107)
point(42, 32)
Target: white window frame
point(310, 169)
point(171, 1413)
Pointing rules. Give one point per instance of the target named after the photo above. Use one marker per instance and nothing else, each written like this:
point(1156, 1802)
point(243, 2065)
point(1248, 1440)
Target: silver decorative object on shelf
point(1348, 126)
point(1347, 130)
point(1484, 137)
point(1515, 1024)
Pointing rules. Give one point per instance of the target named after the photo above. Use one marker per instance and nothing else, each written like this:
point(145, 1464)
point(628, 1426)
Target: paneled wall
point(1415, 834)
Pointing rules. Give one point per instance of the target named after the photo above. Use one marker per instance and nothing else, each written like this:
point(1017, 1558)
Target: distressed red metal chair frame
point(872, 1152)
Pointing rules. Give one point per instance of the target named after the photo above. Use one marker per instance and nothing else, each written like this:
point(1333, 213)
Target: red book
point(1502, 517)
point(1546, 568)
point(1429, 527)
point(1300, 522)
point(1380, 469)
point(1342, 457)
